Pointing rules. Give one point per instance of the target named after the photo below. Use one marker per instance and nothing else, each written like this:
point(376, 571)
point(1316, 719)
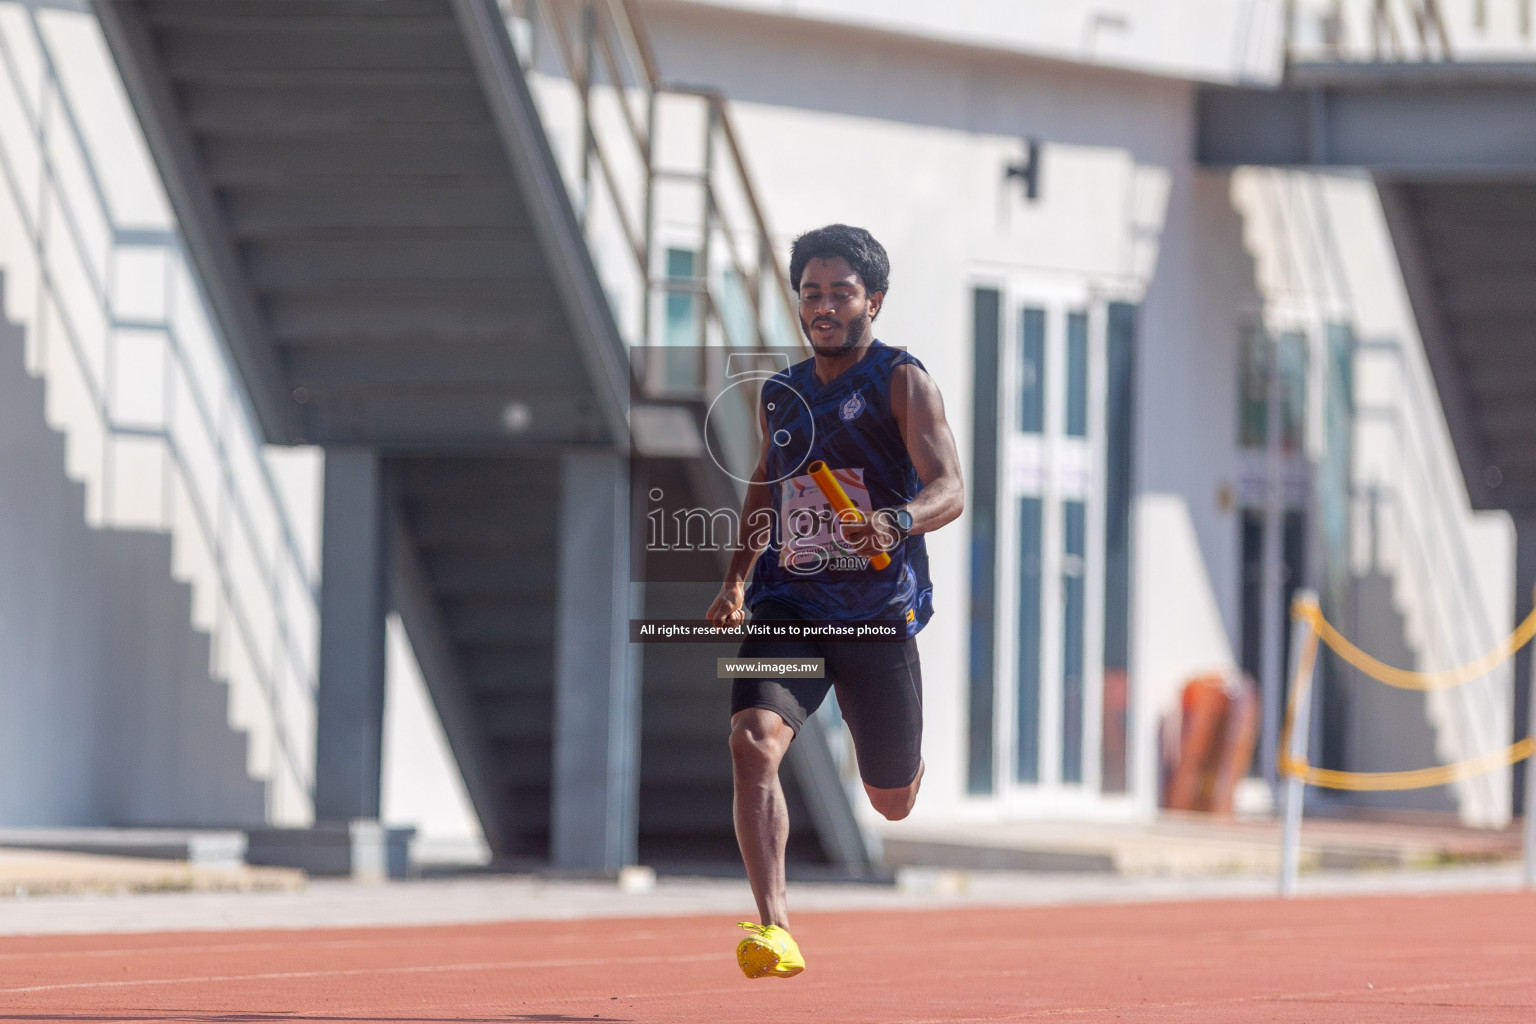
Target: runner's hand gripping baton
point(841, 503)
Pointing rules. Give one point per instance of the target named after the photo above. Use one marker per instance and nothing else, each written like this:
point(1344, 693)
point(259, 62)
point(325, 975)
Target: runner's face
point(835, 310)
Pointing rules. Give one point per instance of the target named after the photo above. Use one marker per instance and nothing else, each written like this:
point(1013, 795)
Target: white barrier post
point(1530, 779)
point(1294, 790)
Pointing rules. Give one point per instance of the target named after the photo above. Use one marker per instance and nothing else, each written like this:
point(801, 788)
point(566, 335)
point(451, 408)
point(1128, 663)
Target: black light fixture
point(1027, 172)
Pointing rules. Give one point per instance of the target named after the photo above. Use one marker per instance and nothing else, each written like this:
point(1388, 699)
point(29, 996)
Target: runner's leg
point(759, 739)
point(880, 693)
point(895, 804)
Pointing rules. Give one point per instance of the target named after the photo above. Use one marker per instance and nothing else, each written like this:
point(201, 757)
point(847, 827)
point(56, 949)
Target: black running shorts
point(879, 691)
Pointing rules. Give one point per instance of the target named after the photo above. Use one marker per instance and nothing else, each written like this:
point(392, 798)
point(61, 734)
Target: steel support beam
point(596, 789)
point(349, 726)
point(1398, 125)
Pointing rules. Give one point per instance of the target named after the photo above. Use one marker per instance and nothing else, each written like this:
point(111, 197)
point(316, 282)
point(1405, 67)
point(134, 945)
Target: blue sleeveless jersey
point(849, 426)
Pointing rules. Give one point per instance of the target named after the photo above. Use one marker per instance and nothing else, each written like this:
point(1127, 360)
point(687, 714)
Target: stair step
point(223, 107)
point(521, 482)
point(382, 317)
point(487, 663)
point(163, 12)
point(701, 713)
point(668, 802)
point(505, 622)
point(276, 208)
point(516, 729)
point(485, 529)
point(531, 706)
point(688, 829)
point(280, 266)
point(532, 690)
point(403, 152)
point(459, 574)
point(326, 78)
point(190, 45)
point(525, 764)
point(676, 762)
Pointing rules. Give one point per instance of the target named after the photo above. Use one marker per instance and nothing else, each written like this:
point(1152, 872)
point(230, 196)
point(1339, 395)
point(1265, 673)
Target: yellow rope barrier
point(1416, 778)
point(1404, 679)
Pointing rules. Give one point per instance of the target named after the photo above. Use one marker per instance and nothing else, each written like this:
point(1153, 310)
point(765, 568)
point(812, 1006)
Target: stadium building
point(352, 342)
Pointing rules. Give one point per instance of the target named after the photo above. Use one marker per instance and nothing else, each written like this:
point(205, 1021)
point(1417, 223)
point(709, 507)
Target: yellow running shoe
point(769, 952)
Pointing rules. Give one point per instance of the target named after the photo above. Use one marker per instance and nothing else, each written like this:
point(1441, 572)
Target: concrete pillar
point(349, 728)
point(596, 786)
point(1525, 579)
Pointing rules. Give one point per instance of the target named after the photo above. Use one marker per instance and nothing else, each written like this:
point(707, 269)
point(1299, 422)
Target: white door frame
point(1056, 469)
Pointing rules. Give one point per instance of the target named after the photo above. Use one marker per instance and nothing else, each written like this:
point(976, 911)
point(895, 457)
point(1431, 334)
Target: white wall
point(1212, 40)
point(421, 784)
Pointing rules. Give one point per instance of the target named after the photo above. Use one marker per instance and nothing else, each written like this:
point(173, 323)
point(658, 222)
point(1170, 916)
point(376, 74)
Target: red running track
point(1397, 959)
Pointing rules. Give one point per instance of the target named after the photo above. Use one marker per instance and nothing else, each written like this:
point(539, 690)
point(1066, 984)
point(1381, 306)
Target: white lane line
point(244, 947)
point(355, 972)
point(1361, 996)
point(412, 940)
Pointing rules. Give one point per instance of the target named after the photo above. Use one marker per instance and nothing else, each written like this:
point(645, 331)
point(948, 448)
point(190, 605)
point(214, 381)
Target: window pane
point(1292, 357)
point(987, 310)
point(1253, 390)
point(1032, 371)
point(682, 327)
point(1072, 581)
point(1289, 354)
point(1077, 375)
point(1028, 750)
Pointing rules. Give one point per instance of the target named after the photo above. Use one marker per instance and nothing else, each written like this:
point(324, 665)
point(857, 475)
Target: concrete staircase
point(373, 204)
point(108, 712)
point(486, 534)
point(355, 209)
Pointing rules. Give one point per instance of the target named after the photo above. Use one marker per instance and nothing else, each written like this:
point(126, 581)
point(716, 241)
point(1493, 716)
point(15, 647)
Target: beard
point(849, 341)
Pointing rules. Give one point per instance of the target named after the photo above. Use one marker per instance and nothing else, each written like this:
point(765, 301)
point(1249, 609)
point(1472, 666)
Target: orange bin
point(1219, 726)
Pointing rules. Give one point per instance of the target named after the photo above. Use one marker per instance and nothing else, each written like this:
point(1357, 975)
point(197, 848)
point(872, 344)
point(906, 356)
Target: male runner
point(874, 416)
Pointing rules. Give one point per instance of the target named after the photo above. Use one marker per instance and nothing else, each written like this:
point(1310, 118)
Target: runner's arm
point(919, 411)
point(752, 537)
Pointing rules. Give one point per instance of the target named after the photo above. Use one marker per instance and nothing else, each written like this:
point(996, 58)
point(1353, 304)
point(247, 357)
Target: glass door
point(1051, 544)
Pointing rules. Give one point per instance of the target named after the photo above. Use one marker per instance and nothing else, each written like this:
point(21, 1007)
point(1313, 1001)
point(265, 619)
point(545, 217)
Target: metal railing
point(139, 385)
point(659, 181)
point(1409, 30)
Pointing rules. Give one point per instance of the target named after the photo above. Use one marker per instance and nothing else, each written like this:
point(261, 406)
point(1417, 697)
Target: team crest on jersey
point(851, 407)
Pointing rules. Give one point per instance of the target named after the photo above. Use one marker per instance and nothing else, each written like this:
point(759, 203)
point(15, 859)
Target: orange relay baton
point(839, 500)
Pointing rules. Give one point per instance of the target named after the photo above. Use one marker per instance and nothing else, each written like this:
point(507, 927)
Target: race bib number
point(812, 542)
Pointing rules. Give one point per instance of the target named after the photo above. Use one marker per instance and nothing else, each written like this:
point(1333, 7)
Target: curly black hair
point(865, 255)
